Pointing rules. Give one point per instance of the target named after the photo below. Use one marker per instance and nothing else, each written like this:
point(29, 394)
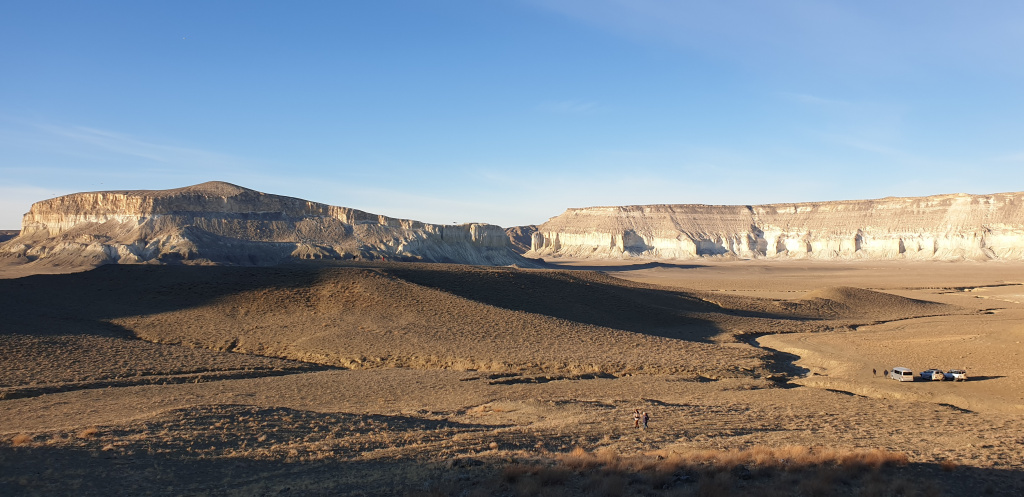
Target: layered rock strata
point(219, 222)
point(945, 227)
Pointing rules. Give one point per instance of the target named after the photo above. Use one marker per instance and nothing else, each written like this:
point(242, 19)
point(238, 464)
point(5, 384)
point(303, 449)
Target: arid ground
point(432, 379)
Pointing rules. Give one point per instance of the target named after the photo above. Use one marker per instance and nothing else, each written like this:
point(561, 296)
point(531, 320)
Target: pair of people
point(640, 419)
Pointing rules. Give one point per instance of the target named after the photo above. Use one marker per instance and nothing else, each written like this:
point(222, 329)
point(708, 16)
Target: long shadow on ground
point(624, 267)
point(88, 472)
point(83, 302)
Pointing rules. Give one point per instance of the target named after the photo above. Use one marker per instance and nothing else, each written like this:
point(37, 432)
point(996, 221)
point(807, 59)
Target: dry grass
point(788, 458)
point(22, 439)
point(89, 432)
point(811, 471)
point(949, 466)
point(578, 459)
point(794, 458)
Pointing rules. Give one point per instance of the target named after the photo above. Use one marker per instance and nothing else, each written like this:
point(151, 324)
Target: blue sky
point(509, 112)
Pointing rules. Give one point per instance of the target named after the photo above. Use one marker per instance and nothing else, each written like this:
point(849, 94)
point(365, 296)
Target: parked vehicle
point(933, 374)
point(956, 375)
point(901, 374)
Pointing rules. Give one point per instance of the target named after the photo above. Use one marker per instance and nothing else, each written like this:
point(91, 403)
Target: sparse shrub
point(727, 460)
point(608, 458)
point(794, 456)
point(898, 459)
point(893, 458)
point(22, 439)
point(89, 432)
point(578, 459)
point(824, 455)
point(707, 456)
point(671, 462)
point(641, 464)
point(810, 471)
point(874, 458)
point(762, 456)
point(948, 466)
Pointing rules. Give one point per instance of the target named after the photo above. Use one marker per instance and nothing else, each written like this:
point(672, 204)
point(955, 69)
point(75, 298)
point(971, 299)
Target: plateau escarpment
point(219, 222)
point(944, 227)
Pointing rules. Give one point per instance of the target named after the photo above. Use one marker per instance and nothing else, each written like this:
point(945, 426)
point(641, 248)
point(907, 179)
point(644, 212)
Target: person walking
point(644, 418)
point(636, 418)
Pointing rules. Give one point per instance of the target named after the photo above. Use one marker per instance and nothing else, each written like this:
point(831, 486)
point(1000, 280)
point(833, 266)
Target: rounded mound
point(213, 188)
point(858, 300)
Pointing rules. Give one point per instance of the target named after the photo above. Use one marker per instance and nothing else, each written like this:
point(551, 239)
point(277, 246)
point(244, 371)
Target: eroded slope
point(218, 222)
point(945, 227)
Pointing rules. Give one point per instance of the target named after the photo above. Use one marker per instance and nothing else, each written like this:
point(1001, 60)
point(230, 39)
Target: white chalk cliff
point(219, 222)
point(945, 227)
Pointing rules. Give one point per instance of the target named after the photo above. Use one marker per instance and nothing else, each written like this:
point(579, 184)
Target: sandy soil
point(987, 344)
point(400, 379)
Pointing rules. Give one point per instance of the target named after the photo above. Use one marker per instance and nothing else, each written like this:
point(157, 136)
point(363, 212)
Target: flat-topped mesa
point(946, 227)
point(219, 222)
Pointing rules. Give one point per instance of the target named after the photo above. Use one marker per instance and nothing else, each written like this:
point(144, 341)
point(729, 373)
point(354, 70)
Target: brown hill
point(852, 302)
point(363, 315)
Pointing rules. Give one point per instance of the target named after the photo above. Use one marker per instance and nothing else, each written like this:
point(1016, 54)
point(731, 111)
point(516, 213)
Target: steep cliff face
point(223, 223)
point(520, 237)
point(946, 227)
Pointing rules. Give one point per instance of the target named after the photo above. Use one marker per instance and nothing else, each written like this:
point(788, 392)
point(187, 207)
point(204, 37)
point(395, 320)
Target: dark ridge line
point(962, 288)
point(549, 378)
point(957, 408)
point(36, 391)
point(844, 392)
point(854, 327)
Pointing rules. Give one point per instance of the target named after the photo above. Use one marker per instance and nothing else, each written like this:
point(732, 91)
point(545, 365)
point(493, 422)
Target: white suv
point(901, 374)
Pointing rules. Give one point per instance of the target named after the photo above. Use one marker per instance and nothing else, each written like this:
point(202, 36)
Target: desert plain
point(379, 378)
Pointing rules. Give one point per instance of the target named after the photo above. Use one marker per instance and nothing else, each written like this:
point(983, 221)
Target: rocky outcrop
point(7, 235)
point(945, 227)
point(223, 223)
point(521, 237)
